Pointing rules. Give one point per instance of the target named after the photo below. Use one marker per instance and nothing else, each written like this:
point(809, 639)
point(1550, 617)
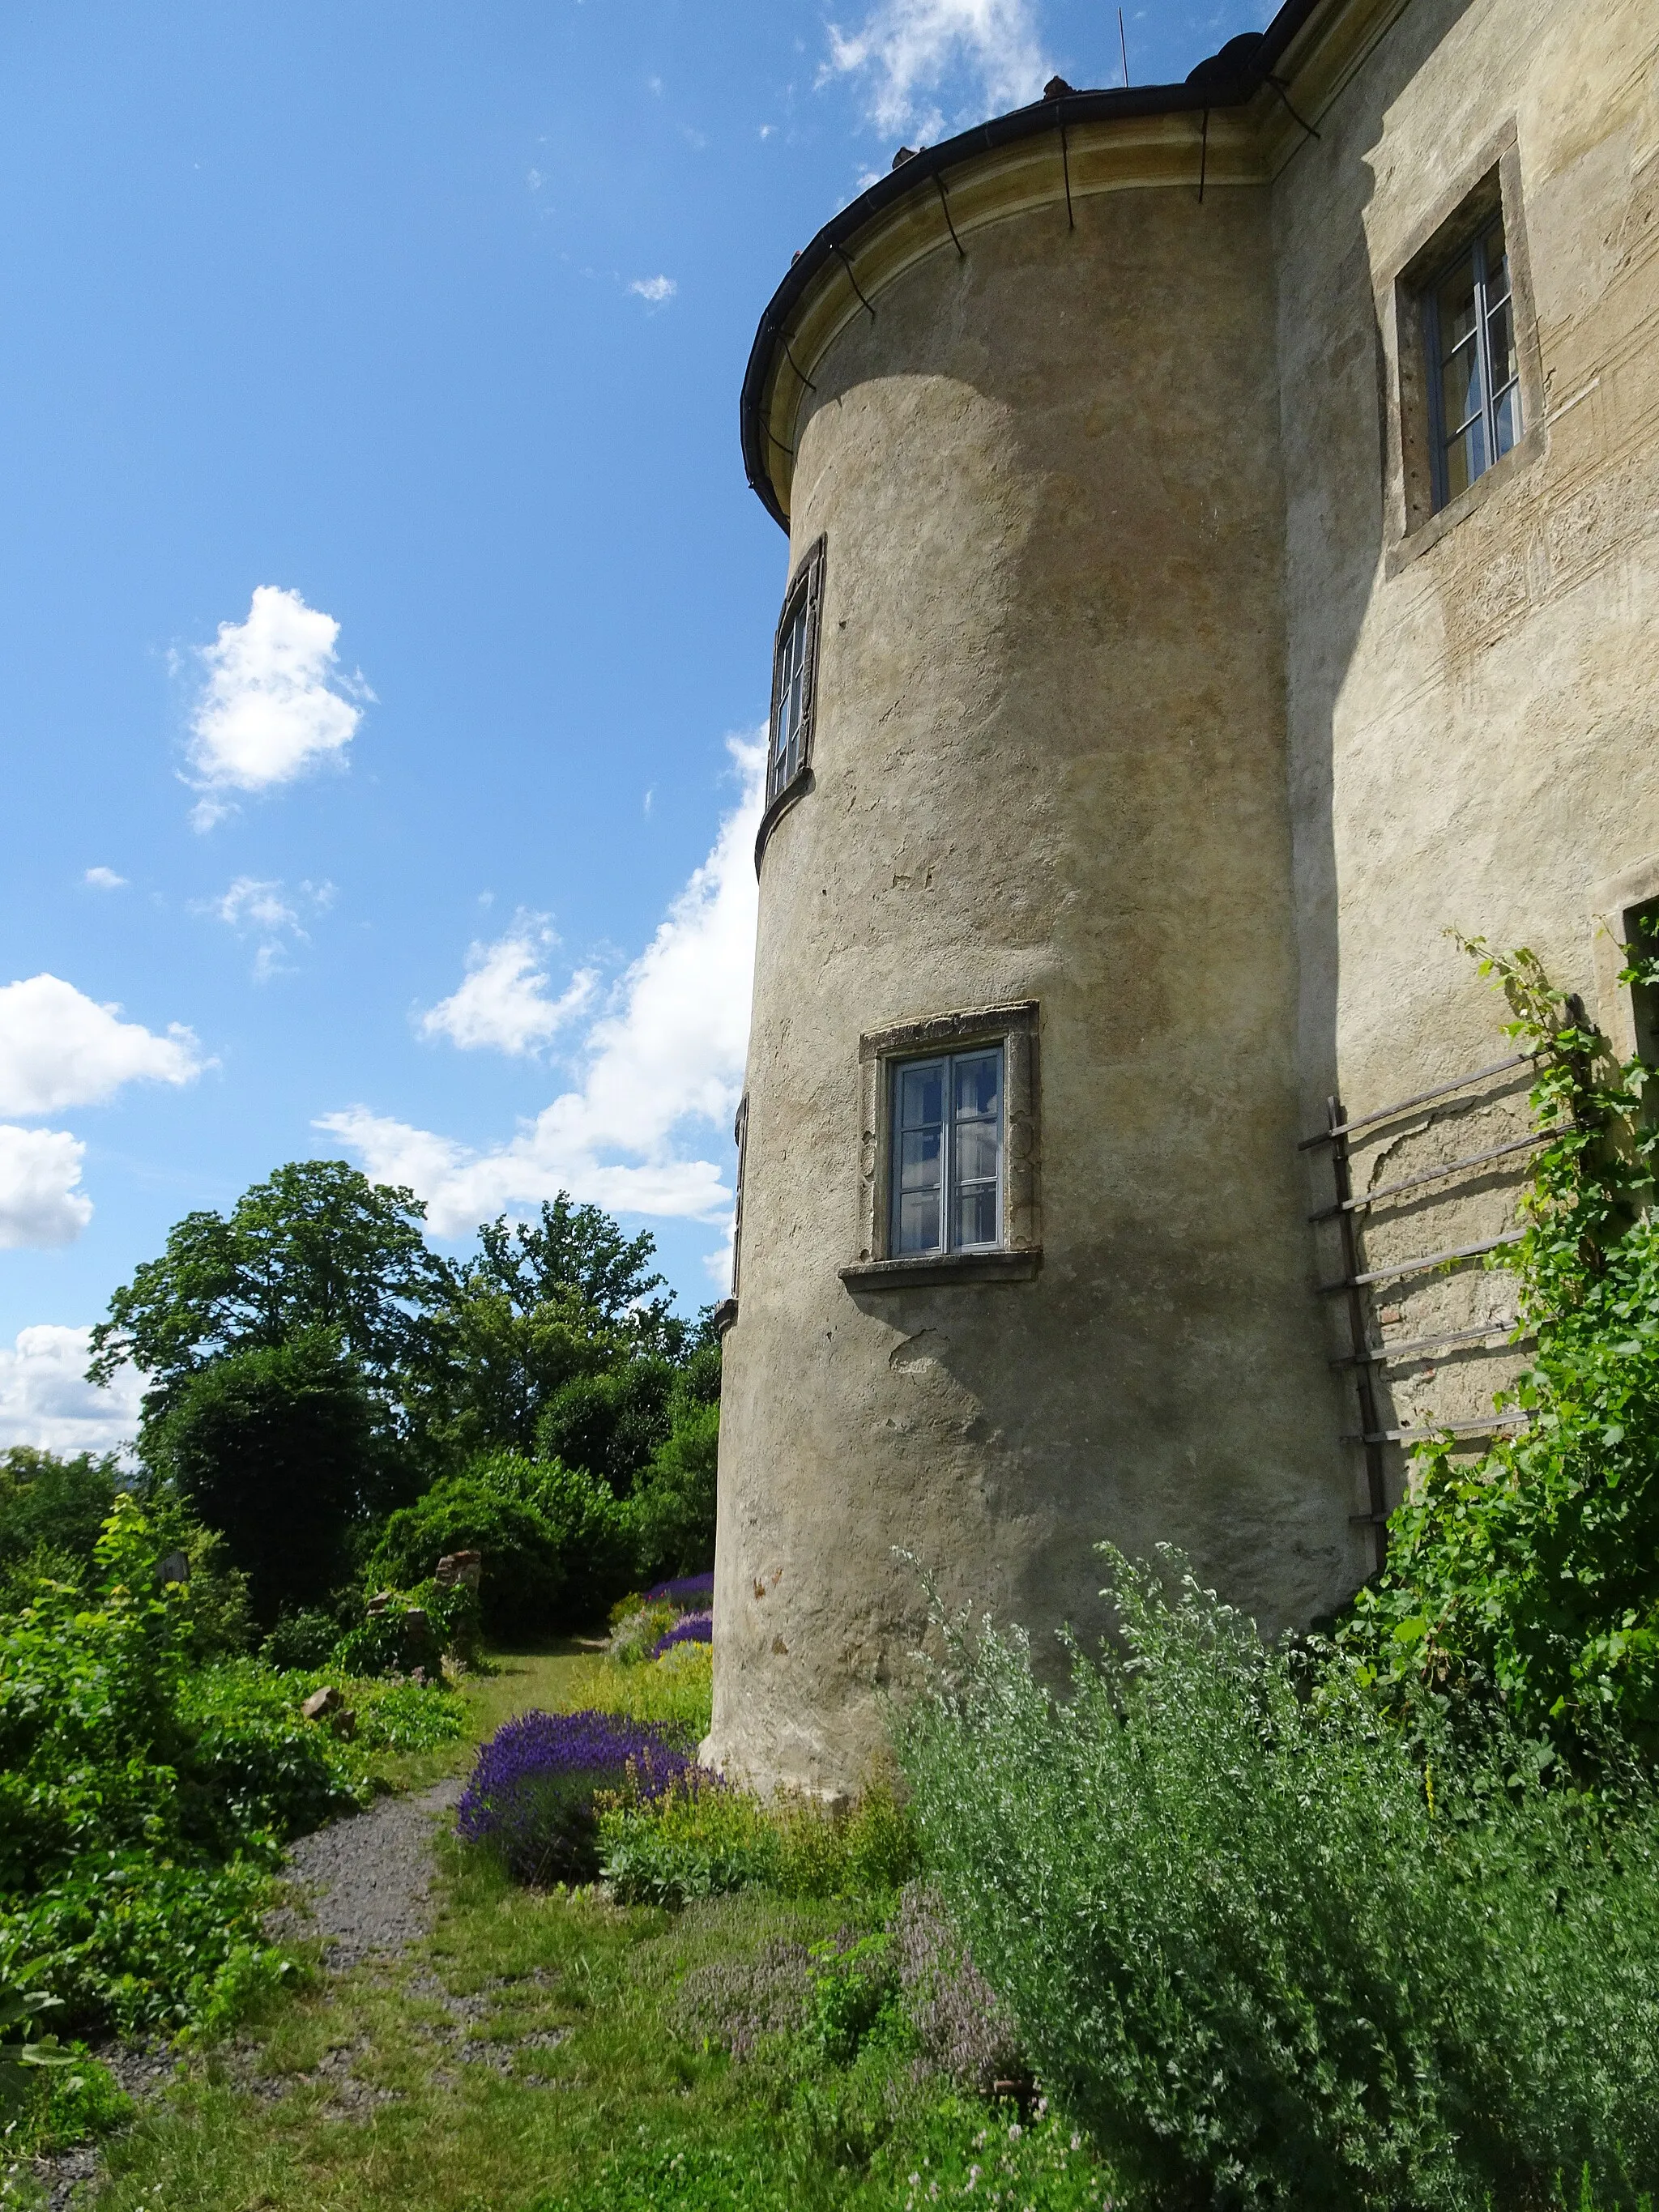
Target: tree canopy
point(317, 1246)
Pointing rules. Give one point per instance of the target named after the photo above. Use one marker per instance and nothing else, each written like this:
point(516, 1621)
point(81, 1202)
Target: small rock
point(322, 1702)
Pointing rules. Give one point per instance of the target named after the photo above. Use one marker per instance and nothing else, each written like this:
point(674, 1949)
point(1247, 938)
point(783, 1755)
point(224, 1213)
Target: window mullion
point(1483, 359)
point(947, 1160)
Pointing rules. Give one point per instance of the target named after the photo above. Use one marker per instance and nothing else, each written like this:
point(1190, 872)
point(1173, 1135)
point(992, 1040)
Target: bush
point(278, 1449)
point(961, 2027)
point(690, 1628)
point(610, 1423)
point(531, 1796)
point(54, 1504)
point(557, 1545)
point(675, 1692)
point(1266, 1954)
point(702, 1836)
point(300, 1640)
point(636, 1634)
point(674, 1494)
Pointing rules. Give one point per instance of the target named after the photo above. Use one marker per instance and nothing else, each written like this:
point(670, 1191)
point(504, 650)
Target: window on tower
point(947, 1151)
point(794, 678)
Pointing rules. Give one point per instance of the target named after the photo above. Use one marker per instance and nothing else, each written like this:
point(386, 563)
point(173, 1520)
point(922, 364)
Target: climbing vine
point(1531, 1571)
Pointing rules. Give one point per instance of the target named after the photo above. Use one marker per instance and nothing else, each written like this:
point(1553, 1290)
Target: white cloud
point(268, 713)
point(58, 1047)
point(105, 879)
point(40, 1204)
point(253, 908)
point(670, 1054)
point(655, 289)
point(46, 1400)
point(906, 49)
point(504, 1004)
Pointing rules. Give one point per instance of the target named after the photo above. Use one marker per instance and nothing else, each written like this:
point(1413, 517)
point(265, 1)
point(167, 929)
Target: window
point(947, 1153)
point(794, 675)
point(1473, 364)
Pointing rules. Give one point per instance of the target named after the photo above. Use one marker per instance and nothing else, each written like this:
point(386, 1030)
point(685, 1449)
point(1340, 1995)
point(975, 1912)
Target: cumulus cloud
point(906, 50)
point(272, 707)
point(267, 912)
point(40, 1204)
point(58, 1047)
point(105, 879)
point(46, 1400)
point(668, 1056)
point(654, 290)
point(505, 1004)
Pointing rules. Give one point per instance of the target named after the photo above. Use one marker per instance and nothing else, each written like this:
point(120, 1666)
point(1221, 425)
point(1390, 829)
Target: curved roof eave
point(1227, 88)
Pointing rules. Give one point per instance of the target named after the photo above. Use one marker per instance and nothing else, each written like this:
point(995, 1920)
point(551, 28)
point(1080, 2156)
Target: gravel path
point(365, 1889)
point(368, 1880)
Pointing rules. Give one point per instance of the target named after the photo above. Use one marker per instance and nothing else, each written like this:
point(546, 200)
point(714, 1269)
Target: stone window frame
point(1014, 1026)
point(1489, 183)
point(790, 778)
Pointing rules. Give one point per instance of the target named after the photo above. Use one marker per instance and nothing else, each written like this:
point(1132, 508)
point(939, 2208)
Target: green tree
point(317, 1247)
point(574, 1250)
point(50, 1505)
point(277, 1447)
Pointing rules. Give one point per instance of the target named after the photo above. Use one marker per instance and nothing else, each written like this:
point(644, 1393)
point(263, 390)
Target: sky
point(386, 630)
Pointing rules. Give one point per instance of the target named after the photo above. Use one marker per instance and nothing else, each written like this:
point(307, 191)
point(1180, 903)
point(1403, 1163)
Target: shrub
point(702, 1836)
point(1268, 1956)
point(674, 1494)
point(739, 2004)
point(962, 2154)
point(55, 1504)
point(690, 1628)
point(610, 1423)
point(677, 1692)
point(398, 1640)
point(277, 1448)
point(531, 1796)
point(557, 1545)
point(300, 1640)
point(962, 2028)
point(636, 1634)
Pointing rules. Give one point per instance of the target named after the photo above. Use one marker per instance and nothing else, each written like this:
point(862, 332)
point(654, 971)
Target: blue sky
point(386, 619)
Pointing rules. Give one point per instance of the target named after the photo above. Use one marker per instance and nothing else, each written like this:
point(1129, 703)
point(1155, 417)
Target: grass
point(530, 2044)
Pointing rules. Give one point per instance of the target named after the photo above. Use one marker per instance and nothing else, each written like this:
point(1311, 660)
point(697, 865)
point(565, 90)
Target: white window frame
point(950, 1187)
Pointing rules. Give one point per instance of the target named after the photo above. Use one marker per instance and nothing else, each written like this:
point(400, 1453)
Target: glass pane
point(1459, 388)
point(922, 1095)
point(1455, 299)
point(917, 1222)
point(918, 1159)
point(1509, 418)
point(978, 1143)
point(977, 1083)
point(976, 1216)
point(1464, 460)
point(1497, 262)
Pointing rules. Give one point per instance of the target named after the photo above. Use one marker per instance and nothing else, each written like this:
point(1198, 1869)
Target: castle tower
point(1076, 779)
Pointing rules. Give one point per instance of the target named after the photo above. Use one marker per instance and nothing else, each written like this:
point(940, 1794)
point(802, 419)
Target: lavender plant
point(690, 1628)
point(530, 1798)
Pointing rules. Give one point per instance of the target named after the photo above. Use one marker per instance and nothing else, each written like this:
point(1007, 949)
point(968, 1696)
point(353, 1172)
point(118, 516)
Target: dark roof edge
point(1229, 88)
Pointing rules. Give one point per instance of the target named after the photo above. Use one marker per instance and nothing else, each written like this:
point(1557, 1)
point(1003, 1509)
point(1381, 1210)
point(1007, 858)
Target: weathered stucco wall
point(1048, 765)
point(1473, 707)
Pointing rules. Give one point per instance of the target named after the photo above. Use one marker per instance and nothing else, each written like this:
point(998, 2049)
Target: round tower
point(1024, 1262)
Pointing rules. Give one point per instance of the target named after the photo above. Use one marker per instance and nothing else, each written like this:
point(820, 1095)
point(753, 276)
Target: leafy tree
point(610, 1423)
point(574, 1249)
point(317, 1247)
point(54, 1504)
point(277, 1447)
point(674, 1501)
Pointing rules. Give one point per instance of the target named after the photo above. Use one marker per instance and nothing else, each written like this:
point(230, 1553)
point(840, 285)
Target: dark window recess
point(794, 677)
point(1641, 937)
point(740, 1138)
point(1473, 371)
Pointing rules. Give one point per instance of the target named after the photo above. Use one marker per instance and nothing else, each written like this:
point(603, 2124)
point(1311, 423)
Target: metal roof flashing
point(1229, 79)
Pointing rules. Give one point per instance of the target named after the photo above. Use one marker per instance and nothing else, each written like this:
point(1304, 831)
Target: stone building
point(1224, 533)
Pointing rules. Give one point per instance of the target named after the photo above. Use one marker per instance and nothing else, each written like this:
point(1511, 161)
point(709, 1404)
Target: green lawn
point(534, 2051)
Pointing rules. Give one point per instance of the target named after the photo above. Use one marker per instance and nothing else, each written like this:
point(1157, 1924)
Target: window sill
point(1428, 533)
point(723, 1316)
point(796, 789)
point(937, 1269)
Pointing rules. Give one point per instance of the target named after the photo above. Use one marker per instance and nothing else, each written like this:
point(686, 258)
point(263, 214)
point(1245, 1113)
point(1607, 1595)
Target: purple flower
point(676, 1593)
point(531, 1793)
point(690, 1628)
